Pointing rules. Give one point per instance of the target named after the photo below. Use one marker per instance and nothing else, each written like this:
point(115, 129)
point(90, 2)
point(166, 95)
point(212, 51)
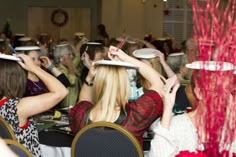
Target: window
point(177, 20)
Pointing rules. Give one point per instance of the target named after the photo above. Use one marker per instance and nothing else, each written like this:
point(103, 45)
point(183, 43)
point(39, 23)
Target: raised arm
point(87, 88)
point(165, 142)
point(33, 105)
point(165, 66)
point(46, 62)
point(169, 93)
point(145, 70)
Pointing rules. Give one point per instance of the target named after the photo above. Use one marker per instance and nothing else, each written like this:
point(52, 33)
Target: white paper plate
point(60, 45)
point(211, 65)
point(162, 39)
point(145, 53)
point(19, 34)
point(176, 54)
point(93, 43)
point(115, 63)
point(27, 48)
point(25, 39)
point(79, 34)
point(9, 57)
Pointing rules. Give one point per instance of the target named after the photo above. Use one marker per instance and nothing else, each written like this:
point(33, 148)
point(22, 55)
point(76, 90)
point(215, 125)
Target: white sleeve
point(164, 143)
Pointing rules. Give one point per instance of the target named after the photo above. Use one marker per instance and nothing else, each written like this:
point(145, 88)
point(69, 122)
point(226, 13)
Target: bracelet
point(88, 83)
point(49, 69)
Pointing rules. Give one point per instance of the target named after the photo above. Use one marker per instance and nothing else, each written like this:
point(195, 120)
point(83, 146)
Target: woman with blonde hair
point(155, 59)
point(104, 95)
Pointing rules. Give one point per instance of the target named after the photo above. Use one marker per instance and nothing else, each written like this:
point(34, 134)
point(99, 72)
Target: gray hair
point(191, 44)
point(177, 62)
point(60, 50)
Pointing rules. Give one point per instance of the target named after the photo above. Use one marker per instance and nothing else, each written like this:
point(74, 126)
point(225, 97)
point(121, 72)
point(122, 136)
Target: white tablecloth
point(49, 151)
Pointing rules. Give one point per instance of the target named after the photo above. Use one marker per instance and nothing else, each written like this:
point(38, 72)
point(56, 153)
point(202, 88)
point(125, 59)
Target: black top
point(181, 101)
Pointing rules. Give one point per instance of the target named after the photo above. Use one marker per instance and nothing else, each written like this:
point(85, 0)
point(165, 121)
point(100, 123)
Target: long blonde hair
point(112, 89)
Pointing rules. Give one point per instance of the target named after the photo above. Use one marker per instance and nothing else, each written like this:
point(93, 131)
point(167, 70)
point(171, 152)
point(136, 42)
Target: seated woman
point(94, 51)
point(18, 110)
point(65, 62)
point(104, 96)
point(34, 85)
point(177, 62)
point(210, 128)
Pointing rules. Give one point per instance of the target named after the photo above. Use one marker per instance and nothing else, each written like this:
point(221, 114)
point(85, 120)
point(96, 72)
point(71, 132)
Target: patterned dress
point(140, 114)
point(27, 134)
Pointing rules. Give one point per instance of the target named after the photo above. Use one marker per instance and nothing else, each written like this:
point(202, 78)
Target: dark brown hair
point(92, 50)
point(12, 80)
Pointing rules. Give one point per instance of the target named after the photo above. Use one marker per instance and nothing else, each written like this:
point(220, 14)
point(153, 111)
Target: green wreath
point(59, 17)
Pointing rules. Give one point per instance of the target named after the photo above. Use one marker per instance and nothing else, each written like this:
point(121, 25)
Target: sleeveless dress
point(27, 134)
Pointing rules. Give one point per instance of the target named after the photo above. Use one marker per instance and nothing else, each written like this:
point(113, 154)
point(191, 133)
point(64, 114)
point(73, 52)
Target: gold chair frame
point(17, 144)
point(8, 127)
point(121, 129)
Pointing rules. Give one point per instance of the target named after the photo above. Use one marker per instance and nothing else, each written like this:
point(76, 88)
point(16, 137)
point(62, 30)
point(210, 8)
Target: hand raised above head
point(160, 55)
point(27, 63)
point(169, 92)
point(46, 62)
point(117, 54)
point(86, 61)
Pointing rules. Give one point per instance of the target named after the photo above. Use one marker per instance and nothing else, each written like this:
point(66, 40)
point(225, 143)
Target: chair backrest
point(6, 131)
point(18, 148)
point(105, 139)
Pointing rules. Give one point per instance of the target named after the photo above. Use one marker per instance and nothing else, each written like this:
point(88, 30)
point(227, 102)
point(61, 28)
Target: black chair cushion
point(105, 142)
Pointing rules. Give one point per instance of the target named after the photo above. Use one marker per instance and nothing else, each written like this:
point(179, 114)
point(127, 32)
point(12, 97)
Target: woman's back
point(18, 110)
point(26, 134)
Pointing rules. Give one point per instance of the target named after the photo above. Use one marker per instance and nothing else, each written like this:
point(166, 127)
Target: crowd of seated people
point(72, 74)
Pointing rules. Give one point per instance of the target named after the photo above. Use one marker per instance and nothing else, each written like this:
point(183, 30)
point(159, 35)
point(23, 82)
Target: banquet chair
point(18, 148)
point(105, 139)
point(6, 131)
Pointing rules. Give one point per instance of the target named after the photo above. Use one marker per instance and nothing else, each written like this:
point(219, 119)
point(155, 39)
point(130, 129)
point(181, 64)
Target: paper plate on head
point(61, 45)
point(115, 63)
point(79, 34)
point(93, 43)
point(131, 42)
point(176, 54)
point(19, 34)
point(145, 53)
point(119, 39)
point(25, 39)
point(27, 48)
point(162, 39)
point(211, 65)
point(9, 57)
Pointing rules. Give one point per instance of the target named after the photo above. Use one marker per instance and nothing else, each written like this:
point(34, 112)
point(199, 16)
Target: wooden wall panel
point(39, 21)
